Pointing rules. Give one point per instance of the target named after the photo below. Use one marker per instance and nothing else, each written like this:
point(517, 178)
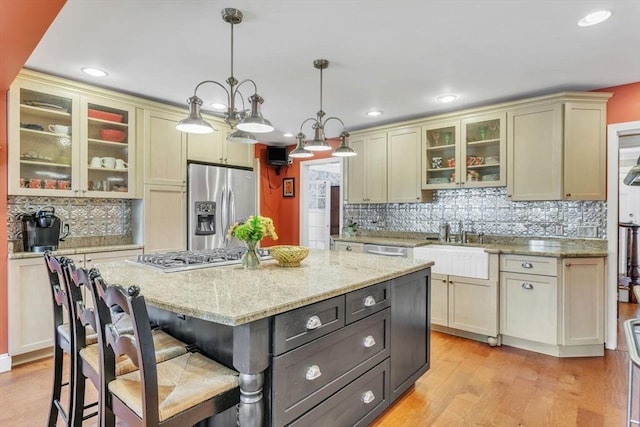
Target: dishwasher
point(396, 251)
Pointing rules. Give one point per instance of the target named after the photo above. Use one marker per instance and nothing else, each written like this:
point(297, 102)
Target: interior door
point(319, 210)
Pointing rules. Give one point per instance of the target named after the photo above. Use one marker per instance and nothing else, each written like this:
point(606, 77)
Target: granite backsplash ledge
point(485, 210)
point(92, 221)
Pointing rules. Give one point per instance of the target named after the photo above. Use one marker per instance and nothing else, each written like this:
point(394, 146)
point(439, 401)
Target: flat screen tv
point(277, 156)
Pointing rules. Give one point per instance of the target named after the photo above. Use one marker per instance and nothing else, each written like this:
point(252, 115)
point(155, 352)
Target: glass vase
point(251, 260)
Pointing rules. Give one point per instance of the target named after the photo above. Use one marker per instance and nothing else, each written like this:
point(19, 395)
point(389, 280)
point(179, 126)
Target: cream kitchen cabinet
point(60, 136)
point(367, 172)
point(165, 218)
point(464, 151)
point(553, 306)
point(348, 246)
point(29, 296)
point(557, 148)
point(214, 148)
point(165, 149)
point(404, 166)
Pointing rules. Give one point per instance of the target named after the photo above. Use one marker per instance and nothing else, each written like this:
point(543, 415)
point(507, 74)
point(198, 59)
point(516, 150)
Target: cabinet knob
point(369, 301)
point(348, 249)
point(527, 286)
point(89, 260)
point(508, 195)
point(313, 322)
point(568, 264)
point(444, 280)
point(312, 373)
point(369, 341)
point(568, 194)
point(526, 265)
point(368, 397)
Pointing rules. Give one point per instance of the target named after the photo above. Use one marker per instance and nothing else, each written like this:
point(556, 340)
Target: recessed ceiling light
point(445, 99)
point(95, 72)
point(218, 106)
point(374, 113)
point(594, 18)
point(287, 135)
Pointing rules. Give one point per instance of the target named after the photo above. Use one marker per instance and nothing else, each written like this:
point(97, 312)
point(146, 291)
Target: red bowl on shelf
point(104, 115)
point(114, 135)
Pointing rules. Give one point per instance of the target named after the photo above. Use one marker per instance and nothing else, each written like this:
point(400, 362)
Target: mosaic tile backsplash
point(86, 217)
point(485, 210)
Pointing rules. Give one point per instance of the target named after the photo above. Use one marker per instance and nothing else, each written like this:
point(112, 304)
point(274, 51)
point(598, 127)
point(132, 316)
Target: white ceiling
point(397, 56)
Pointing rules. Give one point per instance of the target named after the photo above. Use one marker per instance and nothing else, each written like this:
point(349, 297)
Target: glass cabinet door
point(484, 151)
point(440, 151)
point(108, 154)
point(42, 140)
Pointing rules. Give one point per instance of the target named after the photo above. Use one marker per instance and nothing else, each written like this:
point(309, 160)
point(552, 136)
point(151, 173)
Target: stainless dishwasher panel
point(396, 251)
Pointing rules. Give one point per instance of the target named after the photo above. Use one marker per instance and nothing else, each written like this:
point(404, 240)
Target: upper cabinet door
point(108, 157)
point(44, 135)
point(440, 154)
point(483, 151)
point(403, 165)
point(165, 149)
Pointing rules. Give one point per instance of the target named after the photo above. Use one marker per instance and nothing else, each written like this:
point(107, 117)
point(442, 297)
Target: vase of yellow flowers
point(251, 231)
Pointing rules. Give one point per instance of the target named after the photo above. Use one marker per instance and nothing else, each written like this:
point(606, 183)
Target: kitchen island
point(364, 317)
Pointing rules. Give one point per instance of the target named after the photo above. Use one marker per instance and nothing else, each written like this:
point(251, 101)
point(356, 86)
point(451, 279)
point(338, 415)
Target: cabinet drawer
point(296, 327)
point(526, 264)
point(367, 301)
point(529, 307)
point(358, 404)
point(306, 376)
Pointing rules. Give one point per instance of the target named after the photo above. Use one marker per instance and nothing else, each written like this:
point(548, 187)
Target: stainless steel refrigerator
point(217, 197)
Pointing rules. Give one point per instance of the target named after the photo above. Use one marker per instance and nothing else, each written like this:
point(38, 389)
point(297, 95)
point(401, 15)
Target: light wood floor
point(469, 384)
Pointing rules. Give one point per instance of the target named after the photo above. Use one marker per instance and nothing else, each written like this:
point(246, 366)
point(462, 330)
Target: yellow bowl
point(288, 255)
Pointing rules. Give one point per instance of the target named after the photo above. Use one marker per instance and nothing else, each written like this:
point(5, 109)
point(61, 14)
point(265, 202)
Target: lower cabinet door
point(358, 404)
point(473, 305)
point(439, 299)
point(529, 307)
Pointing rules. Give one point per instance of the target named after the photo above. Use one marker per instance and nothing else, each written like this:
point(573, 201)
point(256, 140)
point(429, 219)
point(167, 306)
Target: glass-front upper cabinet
point(440, 153)
point(108, 162)
point(67, 143)
point(483, 150)
point(464, 153)
point(43, 139)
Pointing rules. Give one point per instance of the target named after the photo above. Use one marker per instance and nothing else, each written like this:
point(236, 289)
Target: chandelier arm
point(334, 118)
point(255, 87)
point(306, 120)
point(214, 82)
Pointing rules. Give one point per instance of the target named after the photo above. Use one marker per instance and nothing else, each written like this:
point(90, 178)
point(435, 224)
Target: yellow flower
point(253, 228)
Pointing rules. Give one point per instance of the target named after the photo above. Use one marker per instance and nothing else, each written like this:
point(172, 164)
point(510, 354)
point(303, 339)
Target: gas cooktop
point(171, 262)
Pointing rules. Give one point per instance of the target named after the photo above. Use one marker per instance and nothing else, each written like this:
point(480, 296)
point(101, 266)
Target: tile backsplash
point(86, 217)
point(486, 210)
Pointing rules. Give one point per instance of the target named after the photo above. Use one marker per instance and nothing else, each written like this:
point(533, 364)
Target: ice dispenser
point(205, 213)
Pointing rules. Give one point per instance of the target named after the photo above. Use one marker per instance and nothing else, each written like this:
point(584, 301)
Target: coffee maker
point(41, 230)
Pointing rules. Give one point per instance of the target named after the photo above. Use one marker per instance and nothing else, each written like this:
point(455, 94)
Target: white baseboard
point(5, 362)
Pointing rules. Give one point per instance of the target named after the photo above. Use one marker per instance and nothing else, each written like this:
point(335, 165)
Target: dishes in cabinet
point(490, 177)
point(104, 115)
point(438, 180)
point(474, 160)
point(31, 126)
point(114, 135)
point(451, 162)
point(491, 160)
point(40, 104)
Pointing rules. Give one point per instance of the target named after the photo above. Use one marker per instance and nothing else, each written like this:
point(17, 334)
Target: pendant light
point(319, 141)
point(244, 123)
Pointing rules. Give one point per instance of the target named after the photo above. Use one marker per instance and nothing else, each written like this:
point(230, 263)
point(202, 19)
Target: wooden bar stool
point(178, 392)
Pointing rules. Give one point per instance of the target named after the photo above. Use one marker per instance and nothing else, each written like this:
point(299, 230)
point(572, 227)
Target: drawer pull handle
point(369, 301)
point(527, 286)
point(527, 265)
point(314, 322)
point(312, 373)
point(368, 396)
point(369, 341)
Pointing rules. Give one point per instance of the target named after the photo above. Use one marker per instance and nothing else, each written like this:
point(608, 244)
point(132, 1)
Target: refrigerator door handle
point(223, 216)
point(232, 205)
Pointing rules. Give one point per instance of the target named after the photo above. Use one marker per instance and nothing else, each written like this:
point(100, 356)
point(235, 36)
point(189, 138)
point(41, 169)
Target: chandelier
point(319, 141)
point(242, 122)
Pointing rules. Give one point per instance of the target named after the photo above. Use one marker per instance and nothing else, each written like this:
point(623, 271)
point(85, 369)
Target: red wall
point(22, 25)
point(624, 105)
point(284, 211)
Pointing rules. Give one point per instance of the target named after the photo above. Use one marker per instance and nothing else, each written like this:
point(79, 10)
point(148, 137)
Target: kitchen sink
point(466, 261)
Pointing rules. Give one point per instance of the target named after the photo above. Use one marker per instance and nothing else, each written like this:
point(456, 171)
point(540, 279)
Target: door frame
point(614, 131)
point(304, 183)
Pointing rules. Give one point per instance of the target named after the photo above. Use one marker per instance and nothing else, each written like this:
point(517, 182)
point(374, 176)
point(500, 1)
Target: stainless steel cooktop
point(171, 262)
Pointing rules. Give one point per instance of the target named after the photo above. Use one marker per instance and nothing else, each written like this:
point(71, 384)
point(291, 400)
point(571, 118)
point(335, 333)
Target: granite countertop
point(501, 245)
point(233, 296)
point(75, 251)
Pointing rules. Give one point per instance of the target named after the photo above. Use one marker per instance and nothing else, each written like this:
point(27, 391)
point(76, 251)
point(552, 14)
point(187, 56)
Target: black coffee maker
point(41, 230)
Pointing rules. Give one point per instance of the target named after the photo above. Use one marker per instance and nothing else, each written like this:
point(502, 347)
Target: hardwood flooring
point(468, 384)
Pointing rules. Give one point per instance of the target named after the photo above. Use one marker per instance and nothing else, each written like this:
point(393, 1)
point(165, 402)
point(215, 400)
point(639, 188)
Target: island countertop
point(233, 296)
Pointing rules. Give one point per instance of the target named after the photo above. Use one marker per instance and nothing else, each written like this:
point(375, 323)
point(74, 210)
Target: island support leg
point(251, 359)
